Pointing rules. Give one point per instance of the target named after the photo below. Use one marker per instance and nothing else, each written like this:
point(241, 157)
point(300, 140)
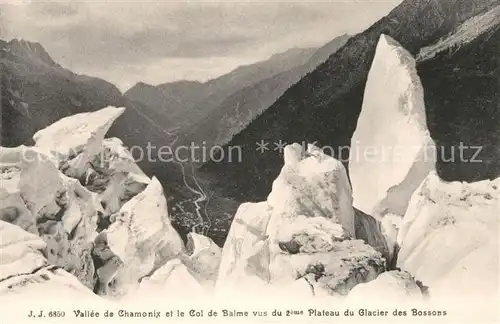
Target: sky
point(125, 42)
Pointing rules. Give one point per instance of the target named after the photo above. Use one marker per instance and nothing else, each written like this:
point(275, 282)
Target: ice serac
point(79, 133)
point(25, 273)
point(312, 223)
point(12, 206)
point(312, 189)
point(392, 286)
point(337, 271)
point(108, 264)
point(111, 173)
point(449, 237)
point(391, 149)
point(20, 251)
point(245, 256)
point(303, 235)
point(190, 274)
point(36, 196)
point(103, 166)
point(203, 258)
point(172, 281)
point(66, 187)
point(142, 237)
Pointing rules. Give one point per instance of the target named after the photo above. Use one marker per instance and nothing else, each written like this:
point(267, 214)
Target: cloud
point(117, 40)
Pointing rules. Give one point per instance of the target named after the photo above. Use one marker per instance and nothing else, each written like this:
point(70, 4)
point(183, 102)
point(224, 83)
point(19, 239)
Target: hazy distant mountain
point(250, 74)
point(237, 110)
point(188, 93)
point(35, 91)
point(325, 51)
point(169, 101)
point(186, 102)
point(323, 107)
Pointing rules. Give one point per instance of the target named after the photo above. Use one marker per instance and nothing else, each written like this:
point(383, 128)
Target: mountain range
point(217, 109)
point(177, 98)
point(236, 111)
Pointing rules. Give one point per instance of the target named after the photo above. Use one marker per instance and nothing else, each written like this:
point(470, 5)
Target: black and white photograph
point(250, 161)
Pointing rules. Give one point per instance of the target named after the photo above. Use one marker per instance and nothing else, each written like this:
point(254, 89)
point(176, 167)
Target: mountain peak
point(28, 50)
point(181, 82)
point(293, 52)
point(141, 84)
